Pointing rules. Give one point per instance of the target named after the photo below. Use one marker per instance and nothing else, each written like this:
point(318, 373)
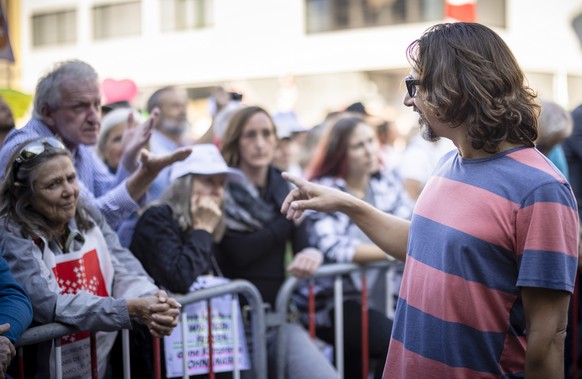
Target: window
point(117, 20)
point(56, 28)
point(330, 15)
point(186, 14)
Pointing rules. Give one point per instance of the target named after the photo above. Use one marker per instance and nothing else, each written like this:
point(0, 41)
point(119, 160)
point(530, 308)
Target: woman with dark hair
point(257, 234)
point(348, 158)
point(70, 262)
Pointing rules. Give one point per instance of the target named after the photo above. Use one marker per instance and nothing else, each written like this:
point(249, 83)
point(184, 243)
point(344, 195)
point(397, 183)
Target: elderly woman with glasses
point(70, 262)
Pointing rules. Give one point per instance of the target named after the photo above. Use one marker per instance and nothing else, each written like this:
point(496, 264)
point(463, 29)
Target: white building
point(334, 52)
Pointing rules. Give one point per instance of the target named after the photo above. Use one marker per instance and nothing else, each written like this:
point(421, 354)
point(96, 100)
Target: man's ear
point(47, 116)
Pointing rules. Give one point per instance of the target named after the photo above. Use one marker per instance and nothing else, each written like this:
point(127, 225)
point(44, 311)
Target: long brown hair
point(470, 77)
point(330, 157)
point(229, 144)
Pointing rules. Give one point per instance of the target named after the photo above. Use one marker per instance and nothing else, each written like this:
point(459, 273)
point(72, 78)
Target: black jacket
point(259, 257)
point(172, 258)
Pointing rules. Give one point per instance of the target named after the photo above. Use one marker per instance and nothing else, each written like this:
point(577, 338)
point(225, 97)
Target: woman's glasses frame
point(32, 150)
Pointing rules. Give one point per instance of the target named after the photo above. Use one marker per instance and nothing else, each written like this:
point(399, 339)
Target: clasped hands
point(158, 312)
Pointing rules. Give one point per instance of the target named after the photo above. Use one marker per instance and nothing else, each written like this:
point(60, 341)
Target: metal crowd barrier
point(257, 318)
point(54, 331)
point(338, 270)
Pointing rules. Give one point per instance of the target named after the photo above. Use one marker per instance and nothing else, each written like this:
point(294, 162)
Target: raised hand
point(149, 168)
point(135, 138)
point(312, 196)
point(152, 164)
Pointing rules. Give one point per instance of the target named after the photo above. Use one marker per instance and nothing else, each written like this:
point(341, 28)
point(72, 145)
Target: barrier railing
point(54, 331)
point(258, 324)
point(338, 270)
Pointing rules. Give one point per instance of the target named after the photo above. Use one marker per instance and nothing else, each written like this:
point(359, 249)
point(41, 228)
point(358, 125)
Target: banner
point(461, 10)
point(197, 339)
point(87, 269)
point(5, 47)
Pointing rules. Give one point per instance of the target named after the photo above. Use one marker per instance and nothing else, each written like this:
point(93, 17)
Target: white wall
point(264, 39)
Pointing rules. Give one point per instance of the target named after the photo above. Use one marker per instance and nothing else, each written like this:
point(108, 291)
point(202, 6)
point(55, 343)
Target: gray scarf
point(245, 211)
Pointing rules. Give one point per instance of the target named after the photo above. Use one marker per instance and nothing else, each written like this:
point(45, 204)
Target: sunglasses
point(411, 84)
point(32, 150)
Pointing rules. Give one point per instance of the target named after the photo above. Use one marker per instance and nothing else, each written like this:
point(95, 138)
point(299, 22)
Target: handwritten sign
point(223, 344)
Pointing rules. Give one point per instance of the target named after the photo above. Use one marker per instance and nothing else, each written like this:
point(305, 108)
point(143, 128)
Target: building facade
point(314, 56)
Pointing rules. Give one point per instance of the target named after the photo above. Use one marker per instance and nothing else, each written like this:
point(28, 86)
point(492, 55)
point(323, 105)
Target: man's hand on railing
point(7, 351)
point(305, 262)
point(158, 312)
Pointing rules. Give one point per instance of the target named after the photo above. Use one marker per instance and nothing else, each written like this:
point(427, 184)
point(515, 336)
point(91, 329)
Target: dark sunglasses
point(34, 149)
point(411, 84)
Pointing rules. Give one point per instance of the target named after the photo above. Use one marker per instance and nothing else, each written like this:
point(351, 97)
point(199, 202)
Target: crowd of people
point(108, 214)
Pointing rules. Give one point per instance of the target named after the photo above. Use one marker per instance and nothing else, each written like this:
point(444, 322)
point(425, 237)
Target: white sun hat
point(205, 159)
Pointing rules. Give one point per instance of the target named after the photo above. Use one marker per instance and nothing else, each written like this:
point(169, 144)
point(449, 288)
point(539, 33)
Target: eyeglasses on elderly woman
point(32, 150)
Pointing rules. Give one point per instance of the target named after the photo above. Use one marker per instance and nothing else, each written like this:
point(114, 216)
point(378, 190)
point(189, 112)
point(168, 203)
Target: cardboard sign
point(223, 330)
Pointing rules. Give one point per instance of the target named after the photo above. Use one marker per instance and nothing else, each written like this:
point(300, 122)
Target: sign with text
point(223, 330)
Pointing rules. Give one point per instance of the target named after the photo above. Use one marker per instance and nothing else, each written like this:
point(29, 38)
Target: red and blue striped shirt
point(482, 229)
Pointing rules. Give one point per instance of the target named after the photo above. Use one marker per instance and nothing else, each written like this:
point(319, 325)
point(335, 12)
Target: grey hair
point(112, 119)
point(16, 194)
point(48, 88)
point(554, 125)
point(178, 197)
point(555, 122)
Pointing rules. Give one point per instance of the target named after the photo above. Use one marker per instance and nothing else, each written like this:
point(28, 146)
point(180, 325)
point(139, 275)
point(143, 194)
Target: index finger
point(174, 303)
point(294, 179)
point(151, 121)
point(130, 121)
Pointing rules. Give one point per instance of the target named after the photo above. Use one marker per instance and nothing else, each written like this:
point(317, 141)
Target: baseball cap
point(358, 107)
point(205, 159)
point(286, 124)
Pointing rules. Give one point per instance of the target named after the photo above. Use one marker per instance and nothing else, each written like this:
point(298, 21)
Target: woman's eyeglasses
point(34, 149)
point(411, 84)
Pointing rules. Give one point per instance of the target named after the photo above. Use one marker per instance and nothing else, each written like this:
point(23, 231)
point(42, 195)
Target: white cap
point(287, 124)
point(116, 117)
point(205, 159)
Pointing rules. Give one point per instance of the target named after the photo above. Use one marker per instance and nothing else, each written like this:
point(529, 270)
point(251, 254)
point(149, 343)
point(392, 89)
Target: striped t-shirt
point(482, 228)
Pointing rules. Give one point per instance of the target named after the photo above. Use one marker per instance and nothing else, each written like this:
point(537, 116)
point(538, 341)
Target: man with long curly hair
point(491, 250)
